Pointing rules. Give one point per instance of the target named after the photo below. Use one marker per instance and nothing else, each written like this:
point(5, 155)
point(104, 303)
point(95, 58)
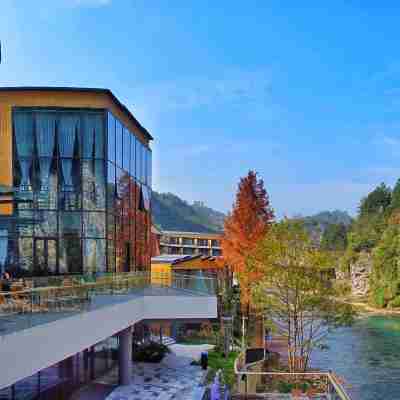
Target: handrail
point(337, 386)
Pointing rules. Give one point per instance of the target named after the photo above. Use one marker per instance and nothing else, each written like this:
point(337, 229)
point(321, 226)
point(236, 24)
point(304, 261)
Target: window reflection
point(111, 137)
point(70, 198)
point(126, 149)
point(118, 143)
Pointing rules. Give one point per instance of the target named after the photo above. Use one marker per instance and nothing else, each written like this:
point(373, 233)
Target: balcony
point(60, 316)
point(254, 383)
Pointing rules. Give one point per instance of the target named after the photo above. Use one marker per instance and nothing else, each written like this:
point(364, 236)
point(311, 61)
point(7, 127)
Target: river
point(367, 356)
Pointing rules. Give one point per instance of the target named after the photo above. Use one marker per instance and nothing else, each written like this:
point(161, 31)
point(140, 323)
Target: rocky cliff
point(360, 271)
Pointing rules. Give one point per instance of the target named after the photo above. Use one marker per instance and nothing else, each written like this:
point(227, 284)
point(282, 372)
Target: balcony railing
point(188, 283)
point(316, 384)
point(45, 299)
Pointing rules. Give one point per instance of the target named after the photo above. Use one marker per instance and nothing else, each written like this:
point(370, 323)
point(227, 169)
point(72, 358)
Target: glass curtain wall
point(128, 199)
point(59, 170)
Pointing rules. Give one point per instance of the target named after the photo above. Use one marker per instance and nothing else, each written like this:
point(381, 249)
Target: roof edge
point(107, 92)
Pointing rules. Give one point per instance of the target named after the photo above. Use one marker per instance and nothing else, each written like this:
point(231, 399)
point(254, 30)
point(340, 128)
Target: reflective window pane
point(94, 255)
point(126, 149)
point(46, 223)
point(94, 224)
point(111, 188)
point(93, 183)
point(111, 256)
point(118, 143)
point(70, 255)
point(70, 223)
point(25, 256)
point(138, 160)
point(133, 155)
point(92, 135)
point(111, 137)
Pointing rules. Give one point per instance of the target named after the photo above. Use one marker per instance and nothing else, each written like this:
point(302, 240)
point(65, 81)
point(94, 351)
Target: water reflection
point(367, 357)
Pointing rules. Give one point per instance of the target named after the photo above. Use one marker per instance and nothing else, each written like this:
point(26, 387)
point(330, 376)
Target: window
point(139, 146)
point(118, 143)
point(127, 149)
point(188, 241)
point(111, 138)
point(133, 155)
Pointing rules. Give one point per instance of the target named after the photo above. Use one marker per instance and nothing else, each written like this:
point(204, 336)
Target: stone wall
point(360, 271)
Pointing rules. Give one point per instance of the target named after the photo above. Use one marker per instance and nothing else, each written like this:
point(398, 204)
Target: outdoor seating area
point(35, 301)
point(60, 294)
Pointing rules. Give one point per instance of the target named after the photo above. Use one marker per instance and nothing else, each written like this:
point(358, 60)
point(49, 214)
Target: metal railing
point(66, 293)
point(313, 383)
point(194, 284)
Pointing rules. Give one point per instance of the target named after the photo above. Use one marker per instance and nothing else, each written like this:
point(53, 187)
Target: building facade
point(190, 243)
point(80, 171)
point(75, 228)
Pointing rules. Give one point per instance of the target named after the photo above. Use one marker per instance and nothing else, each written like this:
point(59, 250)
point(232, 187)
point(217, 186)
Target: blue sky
point(309, 96)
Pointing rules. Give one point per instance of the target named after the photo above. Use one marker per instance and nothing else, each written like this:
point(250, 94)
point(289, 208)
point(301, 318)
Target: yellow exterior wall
point(36, 98)
point(197, 264)
point(161, 274)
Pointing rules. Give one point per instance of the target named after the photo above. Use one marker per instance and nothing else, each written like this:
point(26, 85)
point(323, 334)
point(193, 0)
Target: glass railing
point(189, 283)
point(40, 300)
point(323, 385)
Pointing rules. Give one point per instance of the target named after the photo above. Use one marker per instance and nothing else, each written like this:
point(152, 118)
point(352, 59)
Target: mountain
point(172, 213)
point(317, 224)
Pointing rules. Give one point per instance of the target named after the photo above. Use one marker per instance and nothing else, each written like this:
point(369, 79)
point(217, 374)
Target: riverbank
point(362, 306)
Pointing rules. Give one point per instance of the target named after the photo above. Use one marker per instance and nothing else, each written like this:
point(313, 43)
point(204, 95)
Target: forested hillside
point(374, 241)
point(328, 228)
point(172, 213)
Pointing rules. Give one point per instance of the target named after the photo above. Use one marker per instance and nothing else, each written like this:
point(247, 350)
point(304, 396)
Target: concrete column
point(125, 356)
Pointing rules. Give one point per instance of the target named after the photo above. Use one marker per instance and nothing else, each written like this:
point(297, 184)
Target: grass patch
point(216, 361)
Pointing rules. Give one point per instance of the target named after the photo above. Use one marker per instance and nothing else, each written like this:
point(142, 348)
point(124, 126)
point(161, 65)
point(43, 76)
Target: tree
point(385, 278)
point(377, 201)
point(395, 201)
point(334, 237)
point(295, 291)
point(249, 221)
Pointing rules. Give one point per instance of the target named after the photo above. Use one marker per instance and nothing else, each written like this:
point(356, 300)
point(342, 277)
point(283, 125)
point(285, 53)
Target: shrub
point(379, 297)
point(152, 353)
point(395, 303)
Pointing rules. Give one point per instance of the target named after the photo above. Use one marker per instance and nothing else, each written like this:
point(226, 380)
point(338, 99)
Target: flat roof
point(107, 92)
point(197, 234)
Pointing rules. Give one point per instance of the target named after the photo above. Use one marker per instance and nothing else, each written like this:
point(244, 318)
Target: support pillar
point(125, 356)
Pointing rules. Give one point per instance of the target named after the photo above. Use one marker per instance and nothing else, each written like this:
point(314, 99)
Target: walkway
point(173, 378)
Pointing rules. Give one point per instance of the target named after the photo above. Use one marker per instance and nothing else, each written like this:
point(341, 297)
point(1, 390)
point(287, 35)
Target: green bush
point(285, 387)
point(395, 303)
point(152, 353)
point(379, 297)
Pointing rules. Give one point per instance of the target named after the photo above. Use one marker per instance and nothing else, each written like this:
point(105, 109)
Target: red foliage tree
point(249, 221)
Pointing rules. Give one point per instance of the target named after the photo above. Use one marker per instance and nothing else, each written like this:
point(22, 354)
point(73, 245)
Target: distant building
point(190, 243)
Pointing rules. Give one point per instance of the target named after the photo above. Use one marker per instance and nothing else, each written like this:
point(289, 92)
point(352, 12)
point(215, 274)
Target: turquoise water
point(367, 356)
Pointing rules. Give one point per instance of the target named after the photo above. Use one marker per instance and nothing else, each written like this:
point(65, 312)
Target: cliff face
point(360, 271)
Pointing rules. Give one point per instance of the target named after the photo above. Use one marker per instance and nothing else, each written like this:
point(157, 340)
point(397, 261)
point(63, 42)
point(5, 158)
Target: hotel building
point(190, 243)
point(75, 227)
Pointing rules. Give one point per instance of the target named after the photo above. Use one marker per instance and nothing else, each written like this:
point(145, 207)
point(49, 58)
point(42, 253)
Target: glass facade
point(82, 199)
point(60, 380)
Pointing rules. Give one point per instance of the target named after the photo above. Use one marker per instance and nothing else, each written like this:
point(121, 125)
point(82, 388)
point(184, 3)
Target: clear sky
point(305, 93)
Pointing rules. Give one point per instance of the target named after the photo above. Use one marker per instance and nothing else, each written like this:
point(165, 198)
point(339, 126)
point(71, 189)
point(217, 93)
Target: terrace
point(51, 318)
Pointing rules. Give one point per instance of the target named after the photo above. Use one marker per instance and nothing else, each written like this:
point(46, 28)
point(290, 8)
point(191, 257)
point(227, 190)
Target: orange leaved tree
point(248, 222)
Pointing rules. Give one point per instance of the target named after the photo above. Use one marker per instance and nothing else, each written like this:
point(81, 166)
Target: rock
point(360, 271)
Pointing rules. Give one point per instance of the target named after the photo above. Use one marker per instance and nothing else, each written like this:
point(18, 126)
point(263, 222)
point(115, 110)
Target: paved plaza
point(171, 379)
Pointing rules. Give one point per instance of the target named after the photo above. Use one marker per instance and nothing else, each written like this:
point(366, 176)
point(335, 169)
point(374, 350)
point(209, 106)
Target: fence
point(311, 384)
